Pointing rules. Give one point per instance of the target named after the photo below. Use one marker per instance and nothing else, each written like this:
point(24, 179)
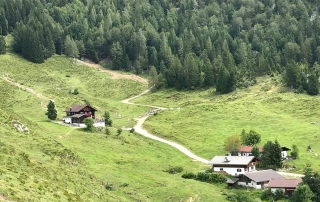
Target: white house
point(286, 185)
point(258, 179)
point(284, 152)
point(233, 165)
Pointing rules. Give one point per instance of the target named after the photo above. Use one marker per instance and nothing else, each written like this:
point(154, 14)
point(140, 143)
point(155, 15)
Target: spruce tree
point(313, 88)
point(51, 111)
point(2, 45)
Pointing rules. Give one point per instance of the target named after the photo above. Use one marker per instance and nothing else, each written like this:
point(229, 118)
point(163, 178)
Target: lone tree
point(271, 156)
point(232, 144)
point(295, 152)
point(89, 123)
point(51, 111)
point(153, 76)
point(251, 138)
point(255, 151)
point(107, 120)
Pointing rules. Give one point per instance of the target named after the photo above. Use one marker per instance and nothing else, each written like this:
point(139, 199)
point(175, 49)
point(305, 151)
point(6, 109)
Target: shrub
point(107, 131)
point(174, 170)
point(211, 177)
point(119, 131)
point(75, 91)
point(279, 194)
point(131, 130)
point(267, 195)
point(189, 175)
point(239, 196)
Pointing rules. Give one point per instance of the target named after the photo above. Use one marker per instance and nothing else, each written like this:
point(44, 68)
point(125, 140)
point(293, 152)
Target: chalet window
point(221, 169)
point(238, 170)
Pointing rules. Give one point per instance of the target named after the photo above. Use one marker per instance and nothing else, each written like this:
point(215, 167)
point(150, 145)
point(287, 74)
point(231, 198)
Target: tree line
point(191, 43)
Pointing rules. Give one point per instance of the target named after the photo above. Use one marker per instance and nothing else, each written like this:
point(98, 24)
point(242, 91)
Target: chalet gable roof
point(77, 108)
point(284, 183)
point(248, 149)
point(231, 160)
point(263, 175)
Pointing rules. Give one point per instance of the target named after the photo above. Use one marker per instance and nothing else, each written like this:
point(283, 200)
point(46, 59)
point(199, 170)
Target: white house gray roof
point(263, 175)
point(231, 160)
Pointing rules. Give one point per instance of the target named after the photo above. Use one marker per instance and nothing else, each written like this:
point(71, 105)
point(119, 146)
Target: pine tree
point(313, 88)
point(153, 76)
point(70, 48)
point(51, 111)
point(2, 45)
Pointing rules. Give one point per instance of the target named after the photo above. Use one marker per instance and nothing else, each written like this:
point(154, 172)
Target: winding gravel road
point(138, 128)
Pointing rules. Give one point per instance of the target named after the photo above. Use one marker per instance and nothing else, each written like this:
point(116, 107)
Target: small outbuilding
point(286, 185)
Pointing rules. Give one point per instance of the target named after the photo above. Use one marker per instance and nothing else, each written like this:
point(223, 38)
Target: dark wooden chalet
point(77, 113)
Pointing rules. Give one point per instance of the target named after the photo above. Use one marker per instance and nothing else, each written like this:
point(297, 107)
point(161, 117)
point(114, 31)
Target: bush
point(211, 177)
point(108, 131)
point(119, 131)
point(279, 194)
point(174, 170)
point(239, 196)
point(75, 91)
point(189, 175)
point(131, 130)
point(267, 195)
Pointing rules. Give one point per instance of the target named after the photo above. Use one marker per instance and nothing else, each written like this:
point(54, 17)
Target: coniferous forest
point(191, 43)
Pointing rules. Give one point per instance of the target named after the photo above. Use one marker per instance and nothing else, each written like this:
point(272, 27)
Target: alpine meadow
point(159, 100)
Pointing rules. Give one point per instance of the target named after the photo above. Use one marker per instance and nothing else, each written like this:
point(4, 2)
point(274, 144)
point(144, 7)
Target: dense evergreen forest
point(191, 43)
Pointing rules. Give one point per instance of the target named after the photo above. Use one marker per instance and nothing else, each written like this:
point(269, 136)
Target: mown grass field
point(59, 163)
point(205, 119)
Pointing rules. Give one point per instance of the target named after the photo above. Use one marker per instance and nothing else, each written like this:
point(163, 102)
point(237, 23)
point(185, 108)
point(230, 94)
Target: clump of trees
point(311, 181)
point(271, 156)
point(191, 44)
point(51, 111)
point(251, 138)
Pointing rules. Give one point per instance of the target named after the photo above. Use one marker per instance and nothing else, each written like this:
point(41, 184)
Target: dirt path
point(138, 128)
point(115, 75)
point(290, 175)
point(30, 90)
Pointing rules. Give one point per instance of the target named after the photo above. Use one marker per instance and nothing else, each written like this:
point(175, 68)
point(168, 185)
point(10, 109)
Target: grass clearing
point(205, 120)
point(58, 163)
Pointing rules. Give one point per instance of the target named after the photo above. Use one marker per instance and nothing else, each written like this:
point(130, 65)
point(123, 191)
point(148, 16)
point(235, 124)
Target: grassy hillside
point(58, 163)
point(205, 119)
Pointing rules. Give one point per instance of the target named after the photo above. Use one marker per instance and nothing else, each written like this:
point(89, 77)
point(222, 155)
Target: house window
point(238, 170)
point(221, 169)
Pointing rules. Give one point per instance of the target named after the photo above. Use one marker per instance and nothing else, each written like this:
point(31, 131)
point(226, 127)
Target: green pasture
point(206, 119)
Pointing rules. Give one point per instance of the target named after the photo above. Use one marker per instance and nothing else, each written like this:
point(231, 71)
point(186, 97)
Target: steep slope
point(58, 163)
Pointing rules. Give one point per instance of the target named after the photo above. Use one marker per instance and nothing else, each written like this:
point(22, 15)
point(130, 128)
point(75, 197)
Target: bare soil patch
point(115, 75)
